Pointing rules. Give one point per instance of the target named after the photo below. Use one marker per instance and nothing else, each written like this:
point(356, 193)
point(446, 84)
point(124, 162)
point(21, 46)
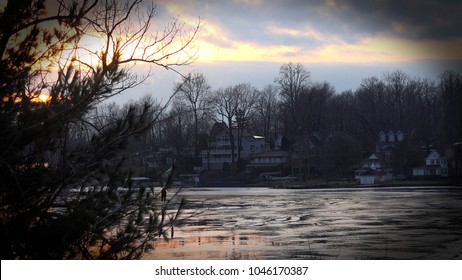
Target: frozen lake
point(372, 223)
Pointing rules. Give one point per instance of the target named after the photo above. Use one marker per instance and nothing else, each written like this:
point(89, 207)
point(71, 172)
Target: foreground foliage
point(65, 191)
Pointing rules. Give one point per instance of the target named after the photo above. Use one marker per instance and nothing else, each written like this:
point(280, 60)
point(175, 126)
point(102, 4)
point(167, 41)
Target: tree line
point(295, 106)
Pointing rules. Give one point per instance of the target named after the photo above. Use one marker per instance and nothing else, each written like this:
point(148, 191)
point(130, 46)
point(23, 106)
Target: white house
point(220, 152)
point(435, 165)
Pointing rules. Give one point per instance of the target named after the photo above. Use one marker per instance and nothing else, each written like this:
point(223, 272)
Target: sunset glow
point(41, 98)
point(217, 46)
point(34, 98)
point(326, 32)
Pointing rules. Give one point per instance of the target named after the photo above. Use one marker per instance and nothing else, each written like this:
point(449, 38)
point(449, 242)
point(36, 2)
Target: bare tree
point(450, 90)
point(247, 96)
point(341, 117)
point(313, 105)
point(194, 90)
point(371, 109)
point(178, 126)
point(266, 111)
point(396, 85)
point(226, 106)
point(292, 80)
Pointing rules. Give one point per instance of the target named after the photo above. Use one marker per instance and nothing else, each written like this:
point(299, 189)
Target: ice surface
point(391, 223)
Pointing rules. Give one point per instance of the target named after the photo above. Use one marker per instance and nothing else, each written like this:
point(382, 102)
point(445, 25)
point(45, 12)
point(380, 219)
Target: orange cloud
point(215, 45)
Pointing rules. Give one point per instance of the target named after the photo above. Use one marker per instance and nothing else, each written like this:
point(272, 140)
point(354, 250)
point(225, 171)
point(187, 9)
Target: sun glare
point(34, 98)
point(42, 98)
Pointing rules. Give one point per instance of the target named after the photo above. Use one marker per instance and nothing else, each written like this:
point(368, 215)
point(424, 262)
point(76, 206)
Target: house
point(305, 152)
point(372, 177)
point(389, 145)
point(393, 136)
point(281, 143)
point(268, 160)
point(435, 166)
point(387, 140)
point(159, 159)
point(220, 153)
point(372, 162)
point(316, 141)
point(372, 172)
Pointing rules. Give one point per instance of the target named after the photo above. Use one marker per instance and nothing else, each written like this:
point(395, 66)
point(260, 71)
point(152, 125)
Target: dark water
point(391, 223)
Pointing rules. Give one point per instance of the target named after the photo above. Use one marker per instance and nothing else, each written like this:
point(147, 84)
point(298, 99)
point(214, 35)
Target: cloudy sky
point(339, 41)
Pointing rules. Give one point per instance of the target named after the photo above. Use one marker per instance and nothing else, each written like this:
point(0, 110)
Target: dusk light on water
point(365, 223)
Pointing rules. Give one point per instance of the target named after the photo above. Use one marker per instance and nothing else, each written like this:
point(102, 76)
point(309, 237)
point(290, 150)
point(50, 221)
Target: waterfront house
point(220, 152)
point(435, 166)
point(270, 160)
point(372, 172)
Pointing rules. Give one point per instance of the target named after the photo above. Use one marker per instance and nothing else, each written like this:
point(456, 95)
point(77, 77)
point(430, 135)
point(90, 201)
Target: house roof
point(321, 135)
point(373, 157)
point(317, 138)
point(370, 159)
point(432, 152)
point(217, 128)
point(395, 131)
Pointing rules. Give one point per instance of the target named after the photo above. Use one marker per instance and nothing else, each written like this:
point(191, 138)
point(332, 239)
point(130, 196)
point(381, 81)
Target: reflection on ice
point(401, 223)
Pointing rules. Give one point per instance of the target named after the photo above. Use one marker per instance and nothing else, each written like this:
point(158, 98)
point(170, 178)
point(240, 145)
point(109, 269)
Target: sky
point(338, 41)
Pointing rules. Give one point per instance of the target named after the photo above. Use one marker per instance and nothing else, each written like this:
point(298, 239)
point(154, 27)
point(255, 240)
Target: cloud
point(426, 20)
point(299, 35)
point(328, 30)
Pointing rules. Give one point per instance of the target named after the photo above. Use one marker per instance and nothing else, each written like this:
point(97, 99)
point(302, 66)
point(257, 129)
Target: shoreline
point(329, 187)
